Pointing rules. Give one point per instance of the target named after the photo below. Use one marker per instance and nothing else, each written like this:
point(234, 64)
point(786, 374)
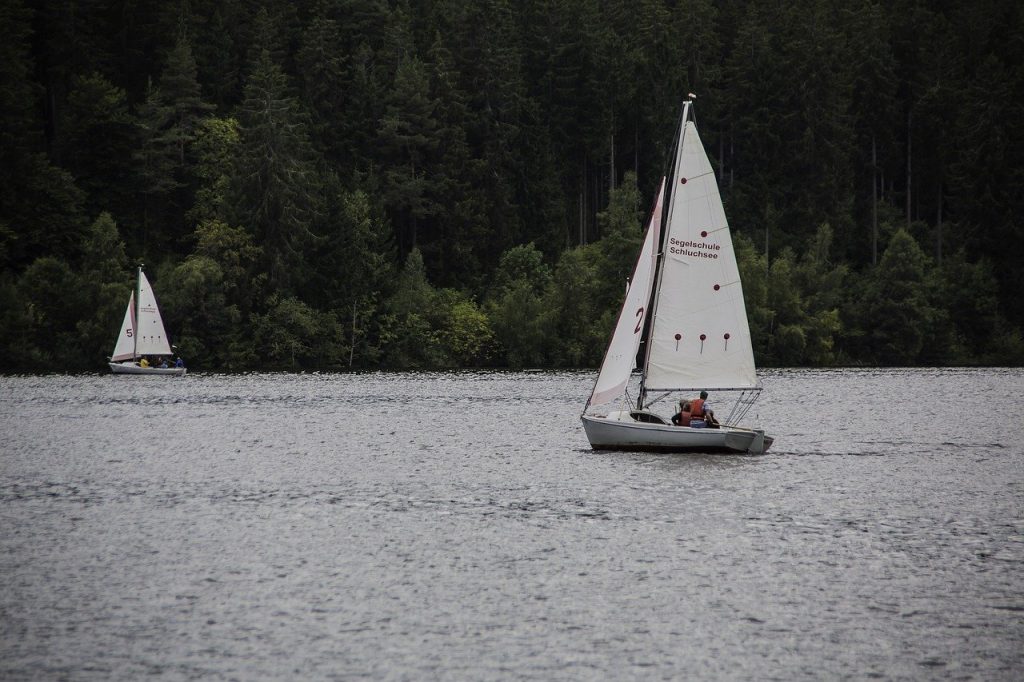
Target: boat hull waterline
point(131, 368)
point(617, 434)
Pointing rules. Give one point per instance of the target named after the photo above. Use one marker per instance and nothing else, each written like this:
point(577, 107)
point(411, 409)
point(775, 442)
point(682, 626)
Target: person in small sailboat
point(701, 414)
point(682, 417)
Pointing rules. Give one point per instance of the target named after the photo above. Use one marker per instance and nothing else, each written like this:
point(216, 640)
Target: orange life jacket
point(697, 408)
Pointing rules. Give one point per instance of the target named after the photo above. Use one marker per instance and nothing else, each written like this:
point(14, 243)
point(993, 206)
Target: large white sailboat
point(142, 335)
point(685, 299)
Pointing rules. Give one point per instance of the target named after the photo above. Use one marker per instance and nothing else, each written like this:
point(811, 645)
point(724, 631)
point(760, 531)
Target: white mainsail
point(699, 336)
point(620, 357)
point(124, 349)
point(151, 335)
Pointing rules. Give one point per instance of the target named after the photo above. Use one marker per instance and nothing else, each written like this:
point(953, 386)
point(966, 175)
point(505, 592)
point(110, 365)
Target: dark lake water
point(457, 526)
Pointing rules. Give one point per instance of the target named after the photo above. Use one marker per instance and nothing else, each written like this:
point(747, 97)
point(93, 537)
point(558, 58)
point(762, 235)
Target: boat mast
point(666, 218)
point(138, 301)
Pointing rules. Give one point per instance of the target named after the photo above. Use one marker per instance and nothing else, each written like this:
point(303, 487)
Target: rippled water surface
point(457, 526)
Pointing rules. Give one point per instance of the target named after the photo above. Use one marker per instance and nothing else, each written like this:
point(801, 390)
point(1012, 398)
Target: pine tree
point(408, 137)
point(97, 139)
point(321, 62)
point(275, 186)
point(40, 205)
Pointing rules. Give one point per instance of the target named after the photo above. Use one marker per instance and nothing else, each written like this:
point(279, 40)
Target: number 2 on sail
point(639, 319)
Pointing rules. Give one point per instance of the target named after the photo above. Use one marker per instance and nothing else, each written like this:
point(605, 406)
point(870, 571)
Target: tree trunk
point(721, 159)
point(636, 151)
point(874, 203)
point(580, 236)
point(352, 348)
point(731, 166)
point(412, 177)
point(611, 163)
point(908, 168)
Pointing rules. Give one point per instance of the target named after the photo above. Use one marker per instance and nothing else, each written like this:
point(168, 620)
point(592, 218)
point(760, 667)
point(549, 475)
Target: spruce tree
point(275, 185)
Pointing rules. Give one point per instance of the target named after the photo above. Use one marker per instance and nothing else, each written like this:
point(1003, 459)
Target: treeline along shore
point(359, 184)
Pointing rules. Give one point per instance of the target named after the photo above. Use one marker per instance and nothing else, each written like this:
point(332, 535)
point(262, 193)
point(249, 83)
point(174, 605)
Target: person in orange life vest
point(701, 413)
point(682, 417)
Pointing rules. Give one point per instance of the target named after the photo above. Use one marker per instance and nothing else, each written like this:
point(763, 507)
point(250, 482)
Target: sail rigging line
point(743, 404)
point(656, 400)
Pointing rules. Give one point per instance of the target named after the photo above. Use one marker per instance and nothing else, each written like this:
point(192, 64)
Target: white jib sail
point(620, 358)
point(124, 349)
point(700, 337)
point(152, 336)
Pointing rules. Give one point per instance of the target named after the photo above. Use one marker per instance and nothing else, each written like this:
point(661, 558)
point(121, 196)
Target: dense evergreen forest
point(342, 184)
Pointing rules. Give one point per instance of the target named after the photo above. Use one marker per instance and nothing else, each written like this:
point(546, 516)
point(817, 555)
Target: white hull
point(613, 433)
point(132, 368)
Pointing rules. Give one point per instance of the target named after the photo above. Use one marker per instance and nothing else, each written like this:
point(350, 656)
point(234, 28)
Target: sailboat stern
point(752, 441)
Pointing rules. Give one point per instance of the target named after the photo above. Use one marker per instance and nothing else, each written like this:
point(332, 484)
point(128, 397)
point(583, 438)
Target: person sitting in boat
point(682, 417)
point(178, 362)
point(163, 365)
point(144, 362)
point(701, 413)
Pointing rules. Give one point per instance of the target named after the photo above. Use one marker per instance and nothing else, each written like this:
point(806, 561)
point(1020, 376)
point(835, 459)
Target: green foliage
point(410, 339)
point(43, 208)
point(521, 265)
point(575, 319)
point(895, 308)
point(519, 321)
point(96, 143)
point(291, 335)
point(465, 332)
point(170, 123)
point(54, 297)
point(18, 350)
point(276, 189)
point(103, 254)
point(105, 283)
point(408, 139)
point(621, 237)
point(235, 254)
point(195, 305)
point(354, 271)
point(216, 144)
point(516, 306)
point(463, 183)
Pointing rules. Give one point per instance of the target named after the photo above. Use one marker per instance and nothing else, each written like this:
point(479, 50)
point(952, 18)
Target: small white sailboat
point(142, 335)
point(685, 299)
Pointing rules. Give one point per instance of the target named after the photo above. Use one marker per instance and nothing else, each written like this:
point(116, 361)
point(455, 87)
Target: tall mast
point(666, 218)
point(138, 301)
